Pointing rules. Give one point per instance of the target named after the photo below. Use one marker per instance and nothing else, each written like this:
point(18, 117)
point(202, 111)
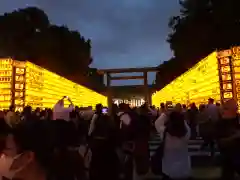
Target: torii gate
point(144, 76)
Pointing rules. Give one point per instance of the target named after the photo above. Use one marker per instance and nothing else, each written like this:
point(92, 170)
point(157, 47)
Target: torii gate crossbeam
point(145, 71)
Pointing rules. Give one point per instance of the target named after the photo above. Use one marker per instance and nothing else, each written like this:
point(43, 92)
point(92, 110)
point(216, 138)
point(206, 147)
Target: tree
point(17, 30)
point(201, 27)
point(64, 49)
point(26, 34)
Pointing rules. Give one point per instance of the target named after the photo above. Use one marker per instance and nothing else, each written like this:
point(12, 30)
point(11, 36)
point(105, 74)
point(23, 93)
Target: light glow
point(38, 87)
point(5, 83)
point(196, 85)
point(44, 89)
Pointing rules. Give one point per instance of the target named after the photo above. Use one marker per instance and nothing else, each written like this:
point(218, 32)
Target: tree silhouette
point(27, 34)
point(201, 27)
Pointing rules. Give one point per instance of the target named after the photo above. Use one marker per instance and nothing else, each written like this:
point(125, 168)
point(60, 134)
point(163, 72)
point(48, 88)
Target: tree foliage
point(27, 34)
point(201, 27)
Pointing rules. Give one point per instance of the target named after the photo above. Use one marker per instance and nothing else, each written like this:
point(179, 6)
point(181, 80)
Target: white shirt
point(59, 112)
point(92, 124)
point(176, 160)
point(160, 123)
point(212, 112)
point(124, 119)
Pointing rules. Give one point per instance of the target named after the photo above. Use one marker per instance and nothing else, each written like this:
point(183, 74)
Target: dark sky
point(124, 33)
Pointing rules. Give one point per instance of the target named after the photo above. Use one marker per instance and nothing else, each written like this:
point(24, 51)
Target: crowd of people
point(81, 143)
point(217, 124)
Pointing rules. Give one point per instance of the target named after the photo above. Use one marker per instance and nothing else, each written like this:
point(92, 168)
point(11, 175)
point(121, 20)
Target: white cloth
point(124, 119)
point(59, 112)
point(160, 123)
point(87, 157)
point(176, 161)
point(10, 118)
point(92, 124)
point(212, 112)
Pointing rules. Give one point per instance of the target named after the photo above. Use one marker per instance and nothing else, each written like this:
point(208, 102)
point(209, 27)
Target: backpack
point(102, 126)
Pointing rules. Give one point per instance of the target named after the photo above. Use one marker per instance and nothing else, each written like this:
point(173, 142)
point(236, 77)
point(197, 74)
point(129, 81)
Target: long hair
point(176, 125)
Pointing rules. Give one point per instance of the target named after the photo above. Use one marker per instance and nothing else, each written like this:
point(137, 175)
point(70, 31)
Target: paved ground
point(203, 166)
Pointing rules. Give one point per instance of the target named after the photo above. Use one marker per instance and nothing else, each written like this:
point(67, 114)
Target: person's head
point(77, 109)
point(37, 111)
point(210, 101)
point(176, 125)
point(89, 108)
point(123, 107)
point(143, 110)
point(162, 106)
point(12, 108)
point(184, 106)
point(178, 107)
point(202, 107)
point(27, 110)
point(229, 109)
point(193, 106)
point(99, 108)
point(145, 106)
point(28, 151)
point(49, 113)
point(114, 109)
point(218, 104)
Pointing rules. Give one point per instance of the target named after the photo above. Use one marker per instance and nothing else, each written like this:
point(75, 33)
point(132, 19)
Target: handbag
point(156, 159)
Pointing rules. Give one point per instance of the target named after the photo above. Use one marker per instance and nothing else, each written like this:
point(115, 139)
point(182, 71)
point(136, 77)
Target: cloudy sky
point(124, 33)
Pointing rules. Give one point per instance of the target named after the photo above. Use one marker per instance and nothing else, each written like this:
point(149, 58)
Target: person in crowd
point(228, 140)
point(141, 151)
point(69, 164)
point(127, 135)
point(88, 113)
point(60, 112)
point(176, 160)
point(212, 111)
point(153, 113)
point(161, 120)
point(184, 108)
point(37, 112)
point(43, 115)
point(49, 114)
point(124, 117)
point(205, 129)
point(178, 108)
point(192, 120)
point(184, 111)
point(31, 151)
point(96, 115)
point(162, 109)
point(28, 153)
point(4, 130)
point(27, 114)
point(81, 125)
point(102, 142)
point(114, 115)
point(11, 117)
